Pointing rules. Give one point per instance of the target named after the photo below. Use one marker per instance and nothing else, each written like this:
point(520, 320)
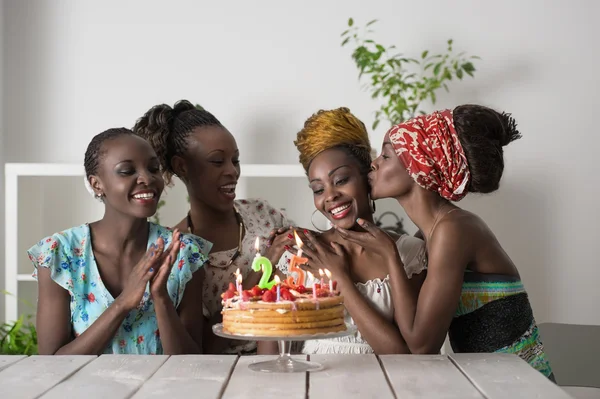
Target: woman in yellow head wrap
point(335, 151)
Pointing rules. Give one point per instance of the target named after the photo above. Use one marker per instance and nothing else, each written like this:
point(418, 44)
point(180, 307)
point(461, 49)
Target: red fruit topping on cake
point(263, 290)
point(228, 294)
point(232, 287)
point(256, 291)
point(287, 296)
point(322, 293)
point(247, 295)
point(269, 296)
point(301, 289)
point(334, 285)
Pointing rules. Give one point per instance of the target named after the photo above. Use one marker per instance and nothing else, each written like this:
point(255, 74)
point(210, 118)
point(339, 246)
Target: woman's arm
point(53, 322)
point(383, 336)
point(424, 320)
point(54, 314)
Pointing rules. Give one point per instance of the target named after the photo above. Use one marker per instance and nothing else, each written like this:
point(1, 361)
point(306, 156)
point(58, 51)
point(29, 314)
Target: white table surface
point(463, 376)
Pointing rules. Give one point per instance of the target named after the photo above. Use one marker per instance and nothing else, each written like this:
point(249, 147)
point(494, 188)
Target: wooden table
point(461, 376)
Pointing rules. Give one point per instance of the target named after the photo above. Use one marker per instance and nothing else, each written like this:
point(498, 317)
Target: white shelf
point(13, 171)
point(65, 169)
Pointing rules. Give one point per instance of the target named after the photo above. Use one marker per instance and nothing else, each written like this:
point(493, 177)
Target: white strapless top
point(379, 294)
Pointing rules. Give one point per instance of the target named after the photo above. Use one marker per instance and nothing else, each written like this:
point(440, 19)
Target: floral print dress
point(70, 258)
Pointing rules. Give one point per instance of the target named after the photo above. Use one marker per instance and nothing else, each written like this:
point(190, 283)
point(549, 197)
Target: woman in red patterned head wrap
point(472, 290)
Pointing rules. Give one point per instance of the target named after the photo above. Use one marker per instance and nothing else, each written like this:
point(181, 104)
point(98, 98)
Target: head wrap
point(333, 128)
point(429, 148)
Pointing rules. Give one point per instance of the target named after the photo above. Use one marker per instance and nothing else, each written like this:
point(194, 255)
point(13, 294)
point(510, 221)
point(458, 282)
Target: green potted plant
point(403, 83)
point(19, 337)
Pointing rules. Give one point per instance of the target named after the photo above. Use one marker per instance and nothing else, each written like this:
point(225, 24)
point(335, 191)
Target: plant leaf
point(424, 54)
point(350, 22)
point(436, 68)
point(371, 22)
point(346, 40)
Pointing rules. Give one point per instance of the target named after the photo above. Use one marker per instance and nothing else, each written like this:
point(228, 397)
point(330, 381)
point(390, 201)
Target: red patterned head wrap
point(429, 148)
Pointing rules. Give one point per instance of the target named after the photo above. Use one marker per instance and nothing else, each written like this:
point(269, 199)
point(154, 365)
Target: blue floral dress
point(72, 265)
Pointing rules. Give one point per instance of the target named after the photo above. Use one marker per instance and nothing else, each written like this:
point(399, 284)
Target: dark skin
point(210, 169)
point(336, 181)
point(461, 241)
point(127, 167)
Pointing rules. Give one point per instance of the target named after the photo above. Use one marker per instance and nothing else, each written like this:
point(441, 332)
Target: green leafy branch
point(404, 83)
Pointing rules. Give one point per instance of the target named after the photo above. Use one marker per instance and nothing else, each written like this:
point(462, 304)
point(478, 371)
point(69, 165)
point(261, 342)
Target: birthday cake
point(293, 311)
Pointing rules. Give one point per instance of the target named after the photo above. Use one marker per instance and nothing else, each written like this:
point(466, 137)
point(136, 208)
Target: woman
point(473, 289)
point(193, 145)
point(111, 286)
point(336, 153)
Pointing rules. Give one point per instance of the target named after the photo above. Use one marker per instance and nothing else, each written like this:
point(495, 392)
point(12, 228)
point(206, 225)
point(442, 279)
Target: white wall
point(1, 158)
point(75, 68)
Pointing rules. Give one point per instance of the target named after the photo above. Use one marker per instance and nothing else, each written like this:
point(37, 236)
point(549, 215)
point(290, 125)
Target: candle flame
point(321, 272)
point(237, 272)
point(277, 280)
point(299, 242)
point(312, 276)
point(257, 245)
point(328, 273)
point(239, 278)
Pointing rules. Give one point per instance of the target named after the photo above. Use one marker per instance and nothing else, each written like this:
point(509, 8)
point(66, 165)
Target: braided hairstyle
point(337, 128)
point(166, 128)
point(95, 152)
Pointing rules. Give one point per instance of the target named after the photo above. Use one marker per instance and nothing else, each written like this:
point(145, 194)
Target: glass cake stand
point(284, 363)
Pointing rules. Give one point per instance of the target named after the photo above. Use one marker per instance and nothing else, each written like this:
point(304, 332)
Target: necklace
point(435, 221)
point(240, 221)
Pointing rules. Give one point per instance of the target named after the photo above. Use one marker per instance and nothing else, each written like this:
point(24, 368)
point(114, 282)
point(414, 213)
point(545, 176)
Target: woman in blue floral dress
point(120, 284)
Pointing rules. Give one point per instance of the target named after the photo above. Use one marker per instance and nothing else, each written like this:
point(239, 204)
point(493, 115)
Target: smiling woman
point(336, 153)
point(111, 286)
point(192, 144)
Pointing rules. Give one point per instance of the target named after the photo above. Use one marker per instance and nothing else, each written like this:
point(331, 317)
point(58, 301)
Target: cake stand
point(284, 363)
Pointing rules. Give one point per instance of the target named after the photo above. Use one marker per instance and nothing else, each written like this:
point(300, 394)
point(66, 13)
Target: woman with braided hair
point(473, 290)
point(192, 144)
point(336, 154)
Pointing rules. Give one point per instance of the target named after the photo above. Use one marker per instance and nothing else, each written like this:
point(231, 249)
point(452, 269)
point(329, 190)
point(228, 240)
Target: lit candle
point(277, 283)
point(264, 264)
point(328, 274)
point(299, 243)
point(239, 282)
point(314, 289)
point(321, 273)
point(296, 260)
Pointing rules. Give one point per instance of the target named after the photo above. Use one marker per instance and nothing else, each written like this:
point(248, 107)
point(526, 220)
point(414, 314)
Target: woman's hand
point(281, 240)
point(158, 284)
point(321, 256)
point(146, 268)
point(278, 241)
point(372, 239)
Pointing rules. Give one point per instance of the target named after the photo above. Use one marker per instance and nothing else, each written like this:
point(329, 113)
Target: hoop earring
point(99, 197)
point(313, 222)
